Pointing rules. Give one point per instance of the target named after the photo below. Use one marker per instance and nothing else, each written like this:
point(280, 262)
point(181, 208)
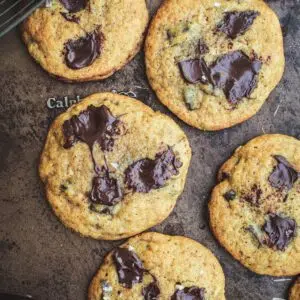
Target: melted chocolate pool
point(280, 231)
point(283, 175)
point(237, 22)
point(147, 174)
point(235, 73)
point(129, 267)
point(82, 52)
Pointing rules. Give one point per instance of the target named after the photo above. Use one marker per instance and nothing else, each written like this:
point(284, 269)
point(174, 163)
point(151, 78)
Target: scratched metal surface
point(38, 255)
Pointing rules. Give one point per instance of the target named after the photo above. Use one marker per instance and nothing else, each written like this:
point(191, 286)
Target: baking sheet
point(38, 255)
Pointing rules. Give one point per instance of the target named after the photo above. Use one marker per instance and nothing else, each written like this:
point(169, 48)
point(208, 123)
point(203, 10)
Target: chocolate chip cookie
point(295, 290)
point(85, 40)
point(255, 207)
point(113, 167)
point(214, 63)
point(154, 266)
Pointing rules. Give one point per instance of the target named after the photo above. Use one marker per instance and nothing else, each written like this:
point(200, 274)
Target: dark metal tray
point(38, 255)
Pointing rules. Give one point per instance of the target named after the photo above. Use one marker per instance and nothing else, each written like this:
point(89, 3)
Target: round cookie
point(85, 40)
point(156, 266)
point(295, 290)
point(214, 63)
point(113, 167)
point(255, 207)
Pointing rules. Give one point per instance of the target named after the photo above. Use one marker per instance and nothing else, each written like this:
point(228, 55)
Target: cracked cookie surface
point(214, 63)
point(84, 163)
point(159, 267)
point(85, 40)
point(255, 208)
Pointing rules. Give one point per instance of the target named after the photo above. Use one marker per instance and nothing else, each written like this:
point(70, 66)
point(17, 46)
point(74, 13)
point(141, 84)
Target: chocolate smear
point(82, 52)
point(74, 6)
point(279, 230)
point(147, 174)
point(189, 293)
point(95, 124)
point(151, 291)
point(70, 18)
point(129, 267)
point(284, 175)
point(195, 70)
point(106, 190)
point(237, 22)
point(235, 74)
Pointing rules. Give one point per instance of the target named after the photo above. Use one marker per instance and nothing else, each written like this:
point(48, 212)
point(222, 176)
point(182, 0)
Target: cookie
point(113, 167)
point(295, 290)
point(85, 40)
point(255, 207)
point(214, 63)
point(155, 266)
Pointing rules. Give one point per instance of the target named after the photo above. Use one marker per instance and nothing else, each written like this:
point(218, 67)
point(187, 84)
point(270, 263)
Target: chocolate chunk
point(195, 70)
point(82, 52)
point(95, 124)
point(151, 291)
point(74, 6)
point(191, 293)
point(70, 18)
point(203, 49)
point(147, 174)
point(280, 231)
point(235, 74)
point(237, 22)
point(106, 190)
point(129, 267)
point(283, 175)
point(230, 195)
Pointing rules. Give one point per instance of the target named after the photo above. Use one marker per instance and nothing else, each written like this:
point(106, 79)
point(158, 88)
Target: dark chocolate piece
point(280, 231)
point(147, 174)
point(283, 175)
point(82, 52)
point(129, 267)
point(95, 124)
point(106, 190)
point(237, 22)
point(151, 291)
point(230, 195)
point(189, 293)
point(70, 18)
point(74, 6)
point(235, 74)
point(195, 70)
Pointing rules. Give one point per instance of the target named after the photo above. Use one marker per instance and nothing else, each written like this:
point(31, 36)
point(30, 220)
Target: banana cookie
point(255, 208)
point(113, 167)
point(213, 63)
point(85, 40)
point(295, 290)
point(155, 266)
